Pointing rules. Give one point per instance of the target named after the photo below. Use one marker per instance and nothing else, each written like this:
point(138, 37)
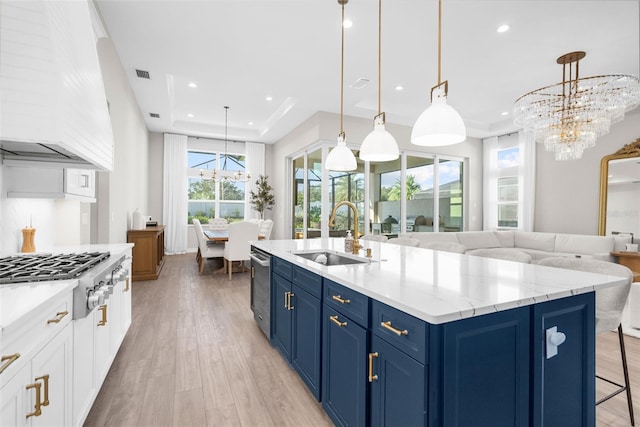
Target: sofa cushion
point(581, 244)
point(478, 239)
point(444, 246)
point(509, 254)
point(426, 237)
point(506, 238)
point(535, 240)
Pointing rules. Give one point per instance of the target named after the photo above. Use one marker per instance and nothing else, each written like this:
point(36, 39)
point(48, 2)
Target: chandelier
point(569, 116)
point(223, 174)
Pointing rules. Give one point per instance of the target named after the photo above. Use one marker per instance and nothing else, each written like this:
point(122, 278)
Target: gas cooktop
point(41, 267)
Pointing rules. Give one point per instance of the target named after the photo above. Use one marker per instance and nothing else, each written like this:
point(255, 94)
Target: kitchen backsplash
point(15, 214)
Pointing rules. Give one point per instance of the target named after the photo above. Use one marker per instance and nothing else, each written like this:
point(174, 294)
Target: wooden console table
point(631, 260)
point(148, 252)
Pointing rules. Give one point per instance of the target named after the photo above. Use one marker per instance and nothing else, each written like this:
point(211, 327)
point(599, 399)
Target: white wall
point(125, 188)
point(325, 127)
point(156, 155)
point(567, 192)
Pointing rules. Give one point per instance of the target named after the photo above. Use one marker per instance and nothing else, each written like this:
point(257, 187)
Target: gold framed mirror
point(618, 169)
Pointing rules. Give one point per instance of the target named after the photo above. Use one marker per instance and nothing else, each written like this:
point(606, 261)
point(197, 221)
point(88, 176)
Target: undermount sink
point(330, 258)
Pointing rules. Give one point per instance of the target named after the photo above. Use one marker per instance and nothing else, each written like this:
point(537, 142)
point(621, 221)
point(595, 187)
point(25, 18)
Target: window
point(508, 187)
point(208, 198)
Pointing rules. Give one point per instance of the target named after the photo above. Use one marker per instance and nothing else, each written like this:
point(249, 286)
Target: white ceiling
point(239, 52)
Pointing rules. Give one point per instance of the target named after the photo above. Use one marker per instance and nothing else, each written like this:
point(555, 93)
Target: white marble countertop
point(19, 299)
point(439, 287)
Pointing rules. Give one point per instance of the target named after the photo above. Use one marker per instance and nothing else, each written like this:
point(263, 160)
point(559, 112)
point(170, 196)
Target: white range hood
point(53, 107)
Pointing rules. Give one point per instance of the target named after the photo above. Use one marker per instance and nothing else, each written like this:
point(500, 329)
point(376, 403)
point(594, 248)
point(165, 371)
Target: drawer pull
point(126, 283)
point(8, 360)
point(103, 321)
point(341, 300)
point(387, 325)
point(45, 380)
point(335, 320)
point(38, 411)
point(59, 316)
point(372, 377)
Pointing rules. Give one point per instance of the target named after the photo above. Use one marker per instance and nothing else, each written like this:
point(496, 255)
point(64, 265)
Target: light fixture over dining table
point(224, 174)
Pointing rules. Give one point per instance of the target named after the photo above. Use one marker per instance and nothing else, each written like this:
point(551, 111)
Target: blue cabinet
point(564, 385)
point(296, 321)
point(345, 346)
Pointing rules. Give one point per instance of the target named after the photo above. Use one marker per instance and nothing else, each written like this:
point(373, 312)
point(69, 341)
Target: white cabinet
point(52, 85)
point(50, 183)
point(39, 381)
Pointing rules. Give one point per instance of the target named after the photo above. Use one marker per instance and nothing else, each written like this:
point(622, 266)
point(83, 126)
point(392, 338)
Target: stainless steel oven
point(260, 288)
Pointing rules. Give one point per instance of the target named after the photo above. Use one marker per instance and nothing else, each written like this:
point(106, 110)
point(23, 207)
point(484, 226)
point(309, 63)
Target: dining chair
point(237, 248)
point(609, 305)
point(374, 237)
point(205, 251)
point(218, 224)
point(405, 241)
point(265, 228)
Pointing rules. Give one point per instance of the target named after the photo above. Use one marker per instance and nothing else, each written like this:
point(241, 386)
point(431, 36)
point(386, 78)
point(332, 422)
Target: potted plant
point(262, 198)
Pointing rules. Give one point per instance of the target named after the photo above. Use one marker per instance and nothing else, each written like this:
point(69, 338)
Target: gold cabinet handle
point(372, 377)
point(38, 411)
point(387, 325)
point(340, 299)
point(253, 272)
point(335, 320)
point(8, 360)
point(59, 316)
point(126, 283)
point(103, 321)
point(45, 380)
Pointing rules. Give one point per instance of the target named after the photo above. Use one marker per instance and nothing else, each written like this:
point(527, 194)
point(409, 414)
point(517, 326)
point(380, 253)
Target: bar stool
point(609, 305)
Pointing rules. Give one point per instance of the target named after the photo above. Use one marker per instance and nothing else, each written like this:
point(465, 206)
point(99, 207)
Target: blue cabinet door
point(307, 338)
point(398, 394)
point(479, 371)
point(564, 385)
point(280, 315)
point(344, 369)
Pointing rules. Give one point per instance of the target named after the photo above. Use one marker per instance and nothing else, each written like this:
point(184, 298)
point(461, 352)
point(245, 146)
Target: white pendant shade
point(440, 124)
point(341, 158)
point(379, 145)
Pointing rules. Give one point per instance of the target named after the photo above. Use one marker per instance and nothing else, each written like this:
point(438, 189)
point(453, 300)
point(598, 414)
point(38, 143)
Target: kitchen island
point(423, 337)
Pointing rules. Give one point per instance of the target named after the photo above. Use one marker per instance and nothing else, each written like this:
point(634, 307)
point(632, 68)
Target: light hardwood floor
point(195, 357)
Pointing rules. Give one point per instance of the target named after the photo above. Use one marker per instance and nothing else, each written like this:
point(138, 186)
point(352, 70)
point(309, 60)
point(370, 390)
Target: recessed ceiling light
point(192, 84)
point(268, 98)
point(399, 88)
point(250, 123)
point(189, 115)
point(503, 28)
point(505, 113)
point(347, 23)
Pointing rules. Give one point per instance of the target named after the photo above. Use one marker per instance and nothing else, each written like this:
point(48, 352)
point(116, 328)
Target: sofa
point(536, 245)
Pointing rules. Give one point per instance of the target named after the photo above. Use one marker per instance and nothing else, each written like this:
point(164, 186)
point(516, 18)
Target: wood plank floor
point(195, 357)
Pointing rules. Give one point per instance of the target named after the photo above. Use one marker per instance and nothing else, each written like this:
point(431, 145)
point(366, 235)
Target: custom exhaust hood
point(15, 153)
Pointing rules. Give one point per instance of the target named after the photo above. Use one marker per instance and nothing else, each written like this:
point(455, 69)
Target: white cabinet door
point(115, 317)
point(102, 339)
point(80, 182)
point(84, 388)
point(13, 408)
point(126, 298)
point(52, 367)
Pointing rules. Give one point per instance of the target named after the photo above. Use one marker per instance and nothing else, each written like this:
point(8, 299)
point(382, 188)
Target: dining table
point(219, 236)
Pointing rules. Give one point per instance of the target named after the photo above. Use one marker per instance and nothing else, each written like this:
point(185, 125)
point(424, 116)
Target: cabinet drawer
point(28, 337)
point(347, 301)
point(282, 267)
point(405, 332)
point(308, 281)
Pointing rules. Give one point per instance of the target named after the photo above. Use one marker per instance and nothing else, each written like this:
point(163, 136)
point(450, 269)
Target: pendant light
point(440, 124)
point(341, 158)
point(379, 145)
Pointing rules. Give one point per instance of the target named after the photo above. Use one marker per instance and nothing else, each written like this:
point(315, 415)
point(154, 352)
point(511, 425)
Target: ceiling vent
point(143, 74)
point(154, 115)
point(359, 83)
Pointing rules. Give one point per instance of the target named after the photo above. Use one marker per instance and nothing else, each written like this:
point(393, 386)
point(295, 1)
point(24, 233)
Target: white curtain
point(255, 166)
point(527, 144)
point(490, 183)
point(174, 193)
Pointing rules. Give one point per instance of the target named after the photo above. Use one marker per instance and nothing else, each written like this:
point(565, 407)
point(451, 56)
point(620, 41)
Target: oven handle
point(260, 261)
